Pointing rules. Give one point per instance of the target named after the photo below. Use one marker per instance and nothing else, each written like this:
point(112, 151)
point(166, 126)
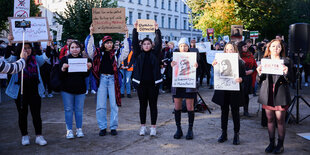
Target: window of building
point(130, 17)
point(184, 8)
point(155, 3)
point(162, 4)
point(139, 15)
point(162, 21)
point(169, 22)
point(130, 1)
point(148, 3)
point(176, 6)
point(147, 16)
point(184, 24)
point(139, 1)
point(176, 23)
point(169, 5)
point(155, 18)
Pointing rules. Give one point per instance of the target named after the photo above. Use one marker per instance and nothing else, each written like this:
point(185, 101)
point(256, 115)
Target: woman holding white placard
point(275, 95)
point(73, 90)
point(224, 98)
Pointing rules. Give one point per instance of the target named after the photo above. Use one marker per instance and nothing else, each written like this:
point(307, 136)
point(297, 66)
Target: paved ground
point(253, 137)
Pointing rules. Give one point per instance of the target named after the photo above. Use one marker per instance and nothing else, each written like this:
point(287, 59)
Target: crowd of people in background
point(118, 68)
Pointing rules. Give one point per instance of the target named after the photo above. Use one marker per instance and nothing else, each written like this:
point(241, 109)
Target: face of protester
point(116, 46)
point(75, 50)
point(275, 48)
point(171, 46)
point(248, 44)
point(229, 48)
point(27, 49)
point(108, 45)
point(217, 47)
point(146, 46)
point(278, 37)
point(183, 47)
point(244, 48)
point(69, 41)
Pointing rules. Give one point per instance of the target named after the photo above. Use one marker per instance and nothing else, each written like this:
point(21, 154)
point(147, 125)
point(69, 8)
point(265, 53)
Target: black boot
point(223, 137)
point(177, 116)
point(279, 149)
point(191, 117)
point(271, 146)
point(236, 140)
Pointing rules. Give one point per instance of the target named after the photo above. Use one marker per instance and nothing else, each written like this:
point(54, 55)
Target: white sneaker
point(93, 92)
point(69, 134)
point(25, 140)
point(86, 92)
point(79, 133)
point(306, 84)
point(50, 95)
point(153, 131)
point(142, 131)
point(40, 140)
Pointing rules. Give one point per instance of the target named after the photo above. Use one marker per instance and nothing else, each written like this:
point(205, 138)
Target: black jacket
point(139, 55)
point(222, 97)
point(281, 95)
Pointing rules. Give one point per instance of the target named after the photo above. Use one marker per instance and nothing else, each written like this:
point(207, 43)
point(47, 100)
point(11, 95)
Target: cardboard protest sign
point(109, 20)
point(184, 73)
point(21, 8)
point(236, 32)
point(226, 71)
point(146, 25)
point(272, 66)
point(39, 30)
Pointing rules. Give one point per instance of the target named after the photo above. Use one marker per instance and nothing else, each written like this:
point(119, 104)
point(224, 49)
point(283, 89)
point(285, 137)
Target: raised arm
point(158, 41)
point(89, 43)
point(135, 41)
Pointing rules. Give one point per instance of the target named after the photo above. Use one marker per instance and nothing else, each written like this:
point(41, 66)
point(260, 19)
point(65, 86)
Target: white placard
point(59, 32)
point(208, 46)
point(272, 66)
point(226, 71)
point(3, 76)
point(184, 73)
point(77, 64)
point(38, 32)
point(226, 39)
point(201, 47)
point(211, 55)
point(21, 8)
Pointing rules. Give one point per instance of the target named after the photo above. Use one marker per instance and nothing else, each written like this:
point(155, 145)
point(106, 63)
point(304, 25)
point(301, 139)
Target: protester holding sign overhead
point(73, 90)
point(224, 98)
point(33, 90)
point(146, 75)
point(105, 71)
point(188, 93)
point(275, 95)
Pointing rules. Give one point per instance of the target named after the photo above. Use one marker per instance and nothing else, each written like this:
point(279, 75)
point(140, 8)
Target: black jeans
point(148, 95)
point(235, 115)
point(34, 102)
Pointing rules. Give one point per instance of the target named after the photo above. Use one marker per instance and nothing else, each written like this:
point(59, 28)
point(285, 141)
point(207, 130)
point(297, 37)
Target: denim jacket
point(13, 88)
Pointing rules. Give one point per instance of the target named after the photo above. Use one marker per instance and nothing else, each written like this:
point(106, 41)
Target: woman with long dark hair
point(233, 99)
point(275, 95)
point(146, 76)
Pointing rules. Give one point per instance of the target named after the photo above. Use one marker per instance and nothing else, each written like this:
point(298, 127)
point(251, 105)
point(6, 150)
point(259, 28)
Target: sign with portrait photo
point(236, 33)
point(226, 71)
point(184, 73)
point(272, 66)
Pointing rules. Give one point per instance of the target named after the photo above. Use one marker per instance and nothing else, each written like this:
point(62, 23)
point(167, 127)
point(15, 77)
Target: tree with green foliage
point(77, 19)
point(7, 10)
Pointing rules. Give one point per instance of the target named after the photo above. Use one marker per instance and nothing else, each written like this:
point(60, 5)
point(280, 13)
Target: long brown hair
point(268, 52)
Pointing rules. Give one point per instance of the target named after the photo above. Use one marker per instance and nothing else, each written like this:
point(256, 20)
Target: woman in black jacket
point(188, 93)
point(224, 98)
point(275, 95)
point(146, 75)
point(73, 90)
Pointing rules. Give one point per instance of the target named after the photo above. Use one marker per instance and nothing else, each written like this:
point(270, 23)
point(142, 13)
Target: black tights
point(272, 116)
point(148, 95)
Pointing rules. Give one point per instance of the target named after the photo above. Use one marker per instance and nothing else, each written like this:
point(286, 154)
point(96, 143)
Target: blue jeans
point(88, 81)
point(106, 86)
point(73, 103)
point(212, 77)
point(126, 80)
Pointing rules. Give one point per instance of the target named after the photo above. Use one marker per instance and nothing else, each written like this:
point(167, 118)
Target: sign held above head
point(146, 25)
point(109, 20)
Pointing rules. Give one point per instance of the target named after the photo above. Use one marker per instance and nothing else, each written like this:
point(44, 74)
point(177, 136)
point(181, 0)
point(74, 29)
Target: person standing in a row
point(250, 66)
point(275, 95)
point(105, 71)
point(73, 90)
point(147, 76)
point(188, 93)
point(225, 98)
point(33, 90)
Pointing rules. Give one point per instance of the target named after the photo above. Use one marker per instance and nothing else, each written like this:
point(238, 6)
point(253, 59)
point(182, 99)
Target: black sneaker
point(122, 95)
point(129, 96)
point(113, 132)
point(103, 132)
